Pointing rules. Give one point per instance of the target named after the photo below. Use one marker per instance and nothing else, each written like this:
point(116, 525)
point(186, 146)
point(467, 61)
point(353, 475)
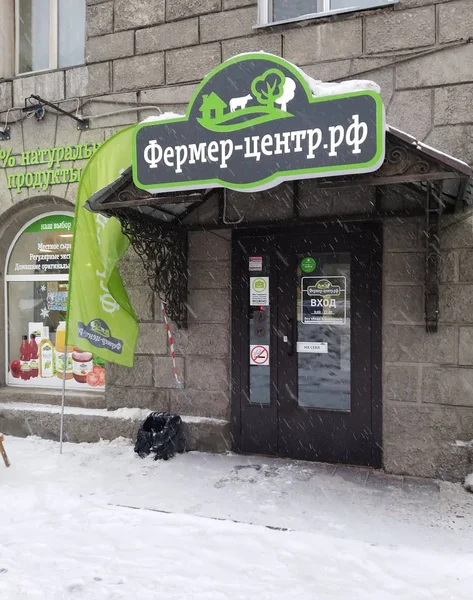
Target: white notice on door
point(313, 347)
point(255, 263)
point(259, 291)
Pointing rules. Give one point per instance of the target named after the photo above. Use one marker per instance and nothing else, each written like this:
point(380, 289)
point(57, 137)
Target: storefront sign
point(253, 123)
point(53, 158)
point(259, 291)
point(324, 300)
point(49, 245)
point(312, 347)
point(259, 355)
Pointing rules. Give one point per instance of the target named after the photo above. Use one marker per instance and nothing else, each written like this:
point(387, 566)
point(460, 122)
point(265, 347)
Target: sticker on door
point(259, 355)
point(255, 263)
point(259, 291)
point(324, 300)
point(313, 347)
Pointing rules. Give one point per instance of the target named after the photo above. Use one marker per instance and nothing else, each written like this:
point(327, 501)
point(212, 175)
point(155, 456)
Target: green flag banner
point(100, 318)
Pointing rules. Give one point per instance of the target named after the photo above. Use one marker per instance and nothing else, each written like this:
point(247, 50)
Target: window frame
point(265, 12)
point(53, 40)
point(63, 277)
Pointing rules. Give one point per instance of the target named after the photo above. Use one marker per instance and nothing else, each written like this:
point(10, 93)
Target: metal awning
point(121, 194)
point(410, 168)
point(427, 182)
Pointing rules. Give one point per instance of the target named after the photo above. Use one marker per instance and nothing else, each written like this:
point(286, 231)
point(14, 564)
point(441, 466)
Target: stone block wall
point(427, 377)
point(152, 53)
point(147, 56)
point(203, 350)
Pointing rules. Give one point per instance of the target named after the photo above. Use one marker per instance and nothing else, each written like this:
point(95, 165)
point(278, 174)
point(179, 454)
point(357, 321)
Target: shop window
point(50, 34)
point(36, 288)
point(275, 11)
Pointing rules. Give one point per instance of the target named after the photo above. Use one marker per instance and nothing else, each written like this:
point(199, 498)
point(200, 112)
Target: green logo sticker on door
point(259, 285)
point(259, 291)
point(308, 264)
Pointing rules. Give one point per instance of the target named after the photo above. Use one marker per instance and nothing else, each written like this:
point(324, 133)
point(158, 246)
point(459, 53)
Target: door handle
point(290, 336)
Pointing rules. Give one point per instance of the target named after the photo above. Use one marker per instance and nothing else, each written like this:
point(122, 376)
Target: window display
point(37, 274)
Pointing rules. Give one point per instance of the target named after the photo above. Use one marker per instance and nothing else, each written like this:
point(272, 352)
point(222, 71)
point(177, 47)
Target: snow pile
point(320, 88)
point(167, 116)
point(92, 523)
point(463, 444)
point(132, 414)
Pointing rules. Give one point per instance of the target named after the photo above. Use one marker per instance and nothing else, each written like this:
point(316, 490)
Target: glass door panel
point(323, 330)
point(259, 329)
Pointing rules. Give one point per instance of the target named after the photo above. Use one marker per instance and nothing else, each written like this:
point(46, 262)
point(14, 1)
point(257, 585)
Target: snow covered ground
point(289, 530)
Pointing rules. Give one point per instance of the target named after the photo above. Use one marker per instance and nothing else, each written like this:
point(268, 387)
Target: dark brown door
point(306, 338)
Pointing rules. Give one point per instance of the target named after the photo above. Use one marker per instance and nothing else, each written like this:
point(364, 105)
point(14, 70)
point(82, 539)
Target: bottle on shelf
point(25, 354)
point(34, 356)
point(46, 355)
point(63, 363)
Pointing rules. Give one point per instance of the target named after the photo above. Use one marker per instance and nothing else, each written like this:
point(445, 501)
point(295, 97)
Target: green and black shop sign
point(254, 122)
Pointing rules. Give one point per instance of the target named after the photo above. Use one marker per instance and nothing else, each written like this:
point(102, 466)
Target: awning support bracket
point(164, 253)
point(433, 211)
point(4, 134)
point(82, 123)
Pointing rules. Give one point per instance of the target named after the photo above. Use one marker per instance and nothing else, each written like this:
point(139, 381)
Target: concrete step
point(94, 424)
point(52, 397)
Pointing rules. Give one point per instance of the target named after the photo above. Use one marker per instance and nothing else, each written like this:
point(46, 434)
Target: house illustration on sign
point(213, 107)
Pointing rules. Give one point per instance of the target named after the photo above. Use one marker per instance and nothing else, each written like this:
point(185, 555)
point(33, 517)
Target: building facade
point(126, 60)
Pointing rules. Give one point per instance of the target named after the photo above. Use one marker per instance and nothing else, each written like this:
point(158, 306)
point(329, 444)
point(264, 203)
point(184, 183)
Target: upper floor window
point(274, 11)
point(49, 34)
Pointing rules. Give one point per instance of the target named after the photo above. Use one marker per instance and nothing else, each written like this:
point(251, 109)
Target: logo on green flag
point(100, 318)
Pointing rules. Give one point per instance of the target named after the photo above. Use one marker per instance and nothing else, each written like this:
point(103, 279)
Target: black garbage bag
point(162, 433)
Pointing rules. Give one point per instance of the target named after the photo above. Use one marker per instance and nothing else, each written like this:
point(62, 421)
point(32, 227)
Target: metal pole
point(63, 399)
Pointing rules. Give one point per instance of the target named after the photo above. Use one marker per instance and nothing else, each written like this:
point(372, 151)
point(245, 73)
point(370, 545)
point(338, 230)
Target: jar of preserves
point(82, 365)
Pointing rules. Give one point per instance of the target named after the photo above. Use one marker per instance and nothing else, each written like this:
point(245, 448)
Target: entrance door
point(306, 345)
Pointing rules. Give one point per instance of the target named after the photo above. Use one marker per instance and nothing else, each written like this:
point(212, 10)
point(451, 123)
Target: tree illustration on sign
point(269, 87)
point(288, 94)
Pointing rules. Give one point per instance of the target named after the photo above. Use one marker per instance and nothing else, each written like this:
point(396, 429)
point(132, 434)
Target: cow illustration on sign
point(268, 90)
point(239, 102)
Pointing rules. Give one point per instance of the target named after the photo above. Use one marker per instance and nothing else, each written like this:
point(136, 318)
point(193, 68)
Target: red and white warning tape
point(171, 345)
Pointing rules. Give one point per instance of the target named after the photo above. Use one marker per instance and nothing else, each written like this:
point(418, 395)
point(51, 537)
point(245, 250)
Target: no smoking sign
point(259, 355)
